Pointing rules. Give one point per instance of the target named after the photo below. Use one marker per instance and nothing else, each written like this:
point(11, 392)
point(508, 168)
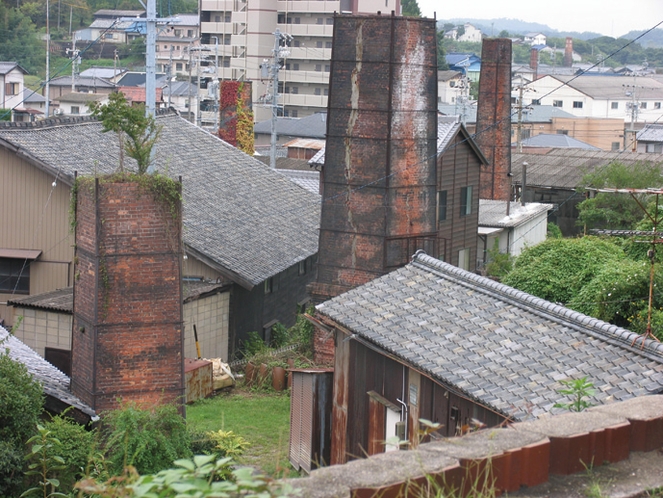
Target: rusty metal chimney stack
point(568, 52)
point(380, 158)
point(493, 133)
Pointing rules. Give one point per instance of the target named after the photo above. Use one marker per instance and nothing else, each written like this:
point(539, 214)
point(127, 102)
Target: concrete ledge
point(503, 458)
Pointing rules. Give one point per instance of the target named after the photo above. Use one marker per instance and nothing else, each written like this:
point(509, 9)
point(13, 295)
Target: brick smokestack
point(127, 334)
point(380, 160)
point(493, 133)
point(534, 61)
point(568, 52)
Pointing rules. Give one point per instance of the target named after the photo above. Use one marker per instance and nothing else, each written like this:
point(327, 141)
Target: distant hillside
point(493, 27)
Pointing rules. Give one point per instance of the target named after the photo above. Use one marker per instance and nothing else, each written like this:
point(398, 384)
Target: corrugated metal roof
point(314, 126)
point(614, 87)
point(503, 348)
point(565, 168)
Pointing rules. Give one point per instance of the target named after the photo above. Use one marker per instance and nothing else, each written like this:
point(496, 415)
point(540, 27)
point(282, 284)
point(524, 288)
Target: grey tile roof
point(504, 348)
point(310, 180)
point(534, 114)
point(30, 96)
point(90, 81)
point(651, 133)
point(6, 67)
point(290, 163)
point(103, 72)
point(493, 213)
point(565, 168)
point(557, 141)
point(55, 383)
point(247, 221)
point(313, 126)
point(63, 299)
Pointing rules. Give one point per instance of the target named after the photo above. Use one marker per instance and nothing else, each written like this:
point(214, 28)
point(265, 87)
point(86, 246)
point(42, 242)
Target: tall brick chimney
point(379, 175)
point(534, 61)
point(127, 338)
point(493, 133)
point(568, 52)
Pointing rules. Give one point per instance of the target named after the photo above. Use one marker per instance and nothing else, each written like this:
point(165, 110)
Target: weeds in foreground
point(579, 390)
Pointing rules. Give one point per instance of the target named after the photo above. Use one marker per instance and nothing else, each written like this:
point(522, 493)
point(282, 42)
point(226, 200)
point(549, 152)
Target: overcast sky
point(608, 17)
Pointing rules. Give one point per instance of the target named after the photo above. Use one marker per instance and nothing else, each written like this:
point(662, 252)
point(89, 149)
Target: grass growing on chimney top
point(260, 418)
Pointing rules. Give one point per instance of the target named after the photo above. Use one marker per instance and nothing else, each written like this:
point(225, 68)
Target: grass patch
point(262, 419)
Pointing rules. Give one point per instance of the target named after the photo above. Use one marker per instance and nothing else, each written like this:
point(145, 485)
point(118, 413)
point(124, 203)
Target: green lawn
point(262, 419)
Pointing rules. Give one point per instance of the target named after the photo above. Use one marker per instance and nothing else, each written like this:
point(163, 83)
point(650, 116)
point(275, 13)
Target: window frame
point(466, 200)
point(12, 272)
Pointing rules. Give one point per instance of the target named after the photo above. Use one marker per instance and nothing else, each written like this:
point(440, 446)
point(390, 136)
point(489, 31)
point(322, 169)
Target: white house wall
point(42, 329)
point(528, 234)
point(210, 316)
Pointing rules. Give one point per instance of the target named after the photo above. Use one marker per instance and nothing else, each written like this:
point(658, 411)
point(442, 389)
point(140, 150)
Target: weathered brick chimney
point(379, 175)
point(493, 132)
point(534, 61)
point(127, 341)
point(568, 52)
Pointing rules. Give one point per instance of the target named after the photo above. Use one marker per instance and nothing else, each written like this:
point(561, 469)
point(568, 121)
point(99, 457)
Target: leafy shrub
point(557, 269)
point(499, 264)
point(149, 440)
point(280, 335)
point(21, 400)
point(201, 444)
point(228, 444)
point(253, 345)
point(554, 232)
point(44, 461)
point(76, 446)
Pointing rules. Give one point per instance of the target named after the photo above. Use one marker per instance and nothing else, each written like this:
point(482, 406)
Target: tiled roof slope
point(244, 219)
point(504, 348)
point(651, 133)
point(313, 126)
point(556, 140)
point(54, 382)
point(564, 168)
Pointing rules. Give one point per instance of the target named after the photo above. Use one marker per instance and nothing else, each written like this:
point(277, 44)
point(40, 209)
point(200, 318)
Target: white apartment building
point(241, 32)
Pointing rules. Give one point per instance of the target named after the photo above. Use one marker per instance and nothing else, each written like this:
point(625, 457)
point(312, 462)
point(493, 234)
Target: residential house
point(244, 224)
point(554, 175)
point(432, 341)
point(178, 94)
point(47, 321)
point(465, 33)
point(113, 26)
point(511, 231)
point(57, 395)
point(650, 139)
point(547, 141)
point(112, 74)
point(535, 39)
point(243, 34)
point(62, 85)
point(632, 99)
point(468, 64)
point(452, 87)
point(33, 106)
point(174, 43)
point(11, 85)
point(77, 104)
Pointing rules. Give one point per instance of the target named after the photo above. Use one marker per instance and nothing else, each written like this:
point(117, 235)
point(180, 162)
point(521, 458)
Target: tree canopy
point(410, 8)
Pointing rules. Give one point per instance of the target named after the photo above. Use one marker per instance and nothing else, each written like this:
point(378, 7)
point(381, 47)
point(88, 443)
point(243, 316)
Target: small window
point(536, 102)
point(318, 20)
point(466, 201)
point(643, 105)
point(327, 68)
point(318, 67)
point(577, 104)
point(330, 21)
point(11, 88)
point(326, 92)
point(108, 36)
point(298, 20)
point(557, 103)
point(318, 44)
point(269, 285)
point(328, 44)
point(15, 275)
point(287, 66)
point(189, 33)
point(614, 146)
point(294, 113)
point(227, 17)
point(297, 43)
point(318, 91)
point(178, 66)
point(562, 132)
point(294, 89)
point(614, 105)
point(302, 267)
point(75, 109)
point(295, 66)
point(178, 32)
point(441, 205)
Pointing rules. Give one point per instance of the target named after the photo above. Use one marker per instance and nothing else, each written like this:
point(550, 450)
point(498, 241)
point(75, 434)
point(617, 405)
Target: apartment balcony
point(307, 29)
point(313, 77)
point(293, 99)
point(217, 5)
point(312, 6)
point(216, 27)
point(310, 53)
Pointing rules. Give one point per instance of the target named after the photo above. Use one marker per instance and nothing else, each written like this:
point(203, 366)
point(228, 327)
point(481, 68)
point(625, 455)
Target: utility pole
point(75, 61)
point(281, 41)
point(48, 64)
point(215, 84)
point(170, 75)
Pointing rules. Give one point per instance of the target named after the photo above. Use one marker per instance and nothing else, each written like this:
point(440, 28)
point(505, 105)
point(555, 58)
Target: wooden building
point(432, 341)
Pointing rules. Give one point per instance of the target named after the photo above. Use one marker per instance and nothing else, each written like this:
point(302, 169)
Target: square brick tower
point(127, 340)
point(379, 177)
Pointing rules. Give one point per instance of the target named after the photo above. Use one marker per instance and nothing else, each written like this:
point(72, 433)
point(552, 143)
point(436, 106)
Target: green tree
point(21, 400)
point(410, 8)
point(123, 118)
point(617, 210)
point(441, 52)
point(19, 41)
point(557, 269)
